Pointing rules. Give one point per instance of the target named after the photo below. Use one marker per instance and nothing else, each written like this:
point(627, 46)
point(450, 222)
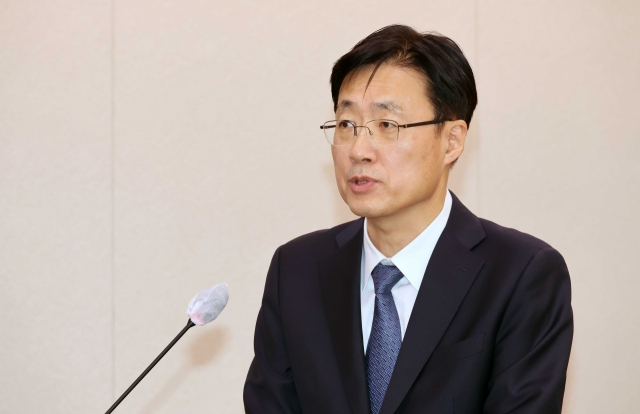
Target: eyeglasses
point(380, 131)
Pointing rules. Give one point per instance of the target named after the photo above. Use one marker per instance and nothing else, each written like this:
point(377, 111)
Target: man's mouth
point(362, 180)
point(362, 184)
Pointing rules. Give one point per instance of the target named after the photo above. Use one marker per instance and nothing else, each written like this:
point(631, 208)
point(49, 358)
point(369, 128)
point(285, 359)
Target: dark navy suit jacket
point(490, 331)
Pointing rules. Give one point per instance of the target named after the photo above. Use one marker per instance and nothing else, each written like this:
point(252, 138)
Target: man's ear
point(455, 133)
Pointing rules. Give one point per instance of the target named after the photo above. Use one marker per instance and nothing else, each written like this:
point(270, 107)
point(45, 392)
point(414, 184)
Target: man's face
point(388, 180)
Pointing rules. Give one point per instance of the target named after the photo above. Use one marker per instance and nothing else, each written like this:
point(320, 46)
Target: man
point(420, 307)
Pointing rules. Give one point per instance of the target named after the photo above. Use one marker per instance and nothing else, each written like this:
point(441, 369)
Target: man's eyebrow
point(345, 104)
point(389, 106)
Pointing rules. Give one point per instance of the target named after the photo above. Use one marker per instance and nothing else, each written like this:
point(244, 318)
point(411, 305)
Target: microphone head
point(207, 305)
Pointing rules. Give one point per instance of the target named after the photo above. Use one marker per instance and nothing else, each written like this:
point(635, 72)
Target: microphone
point(202, 309)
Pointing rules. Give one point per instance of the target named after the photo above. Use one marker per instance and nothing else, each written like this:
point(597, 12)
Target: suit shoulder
point(319, 240)
point(511, 240)
point(513, 252)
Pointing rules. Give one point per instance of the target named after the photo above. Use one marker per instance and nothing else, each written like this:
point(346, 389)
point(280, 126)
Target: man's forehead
point(387, 105)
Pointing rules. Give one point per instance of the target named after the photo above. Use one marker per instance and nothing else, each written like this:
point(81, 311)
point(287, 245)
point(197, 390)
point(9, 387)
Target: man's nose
point(362, 147)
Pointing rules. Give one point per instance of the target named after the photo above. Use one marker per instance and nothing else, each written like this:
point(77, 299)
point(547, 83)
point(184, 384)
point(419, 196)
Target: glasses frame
point(324, 127)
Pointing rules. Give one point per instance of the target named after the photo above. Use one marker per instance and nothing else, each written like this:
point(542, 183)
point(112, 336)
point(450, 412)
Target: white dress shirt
point(412, 261)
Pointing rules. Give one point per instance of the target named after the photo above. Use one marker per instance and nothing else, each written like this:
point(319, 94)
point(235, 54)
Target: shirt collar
point(413, 259)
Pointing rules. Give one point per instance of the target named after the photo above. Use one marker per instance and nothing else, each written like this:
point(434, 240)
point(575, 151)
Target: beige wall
point(146, 153)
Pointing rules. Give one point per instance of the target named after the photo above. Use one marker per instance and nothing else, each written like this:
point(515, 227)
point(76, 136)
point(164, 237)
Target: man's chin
point(364, 210)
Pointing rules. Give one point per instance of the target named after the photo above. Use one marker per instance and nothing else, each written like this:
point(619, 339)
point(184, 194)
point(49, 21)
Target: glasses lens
point(338, 132)
point(329, 129)
point(343, 133)
point(383, 131)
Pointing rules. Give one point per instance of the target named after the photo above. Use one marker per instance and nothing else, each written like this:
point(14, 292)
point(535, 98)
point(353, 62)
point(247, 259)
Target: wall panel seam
point(478, 122)
point(113, 176)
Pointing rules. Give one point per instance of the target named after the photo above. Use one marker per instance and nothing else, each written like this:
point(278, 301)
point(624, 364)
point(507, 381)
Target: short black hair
point(451, 87)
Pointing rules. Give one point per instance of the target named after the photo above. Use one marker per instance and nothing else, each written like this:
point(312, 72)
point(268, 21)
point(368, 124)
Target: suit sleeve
point(533, 343)
point(269, 387)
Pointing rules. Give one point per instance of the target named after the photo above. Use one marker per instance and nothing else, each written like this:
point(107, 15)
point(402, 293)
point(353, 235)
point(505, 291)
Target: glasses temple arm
point(435, 121)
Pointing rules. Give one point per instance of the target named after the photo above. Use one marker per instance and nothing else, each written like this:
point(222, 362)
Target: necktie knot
point(385, 277)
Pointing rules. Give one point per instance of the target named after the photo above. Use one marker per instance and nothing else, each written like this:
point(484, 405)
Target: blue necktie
point(386, 337)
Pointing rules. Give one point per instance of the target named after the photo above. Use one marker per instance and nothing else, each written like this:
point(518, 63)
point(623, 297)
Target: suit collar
point(449, 274)
point(412, 260)
point(349, 231)
point(340, 285)
point(464, 225)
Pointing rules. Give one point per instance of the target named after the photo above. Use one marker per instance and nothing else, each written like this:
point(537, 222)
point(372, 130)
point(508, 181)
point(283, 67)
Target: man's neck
point(390, 234)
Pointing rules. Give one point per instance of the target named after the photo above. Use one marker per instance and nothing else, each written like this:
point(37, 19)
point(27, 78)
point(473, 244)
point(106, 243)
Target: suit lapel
point(451, 271)
point(340, 282)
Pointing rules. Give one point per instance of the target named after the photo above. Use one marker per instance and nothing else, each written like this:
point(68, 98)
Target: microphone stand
point(153, 364)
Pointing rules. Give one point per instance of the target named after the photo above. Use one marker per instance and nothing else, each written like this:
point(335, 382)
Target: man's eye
point(345, 125)
point(386, 125)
